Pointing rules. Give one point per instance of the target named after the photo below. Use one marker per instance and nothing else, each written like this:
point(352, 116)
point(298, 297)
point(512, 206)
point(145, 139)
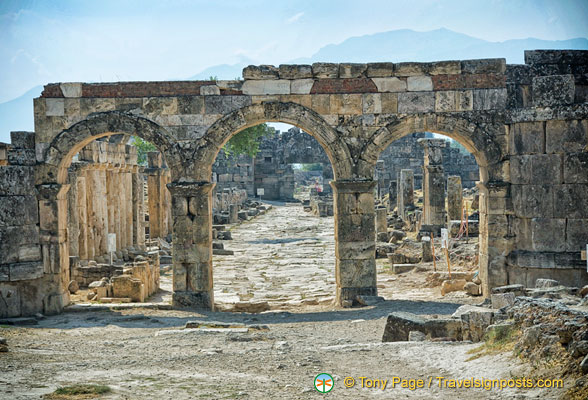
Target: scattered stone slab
point(251, 307)
point(518, 290)
point(400, 324)
point(222, 252)
point(402, 268)
point(584, 291)
point(545, 283)
point(500, 300)
point(164, 260)
point(115, 300)
point(474, 321)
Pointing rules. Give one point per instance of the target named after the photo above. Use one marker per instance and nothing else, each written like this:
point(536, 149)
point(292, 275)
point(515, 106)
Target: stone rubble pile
point(136, 283)
point(551, 321)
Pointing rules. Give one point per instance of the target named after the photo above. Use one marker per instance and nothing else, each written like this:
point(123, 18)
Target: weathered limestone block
point(452, 285)
point(553, 90)
point(419, 83)
point(489, 99)
point(392, 84)
point(416, 102)
point(18, 210)
point(381, 220)
point(260, 72)
point(129, 287)
point(294, 71)
point(399, 325)
point(500, 300)
point(566, 136)
point(351, 70)
point(484, 66)
point(264, 87)
point(474, 321)
point(380, 70)
point(10, 299)
point(427, 249)
point(17, 181)
point(527, 138)
point(325, 70)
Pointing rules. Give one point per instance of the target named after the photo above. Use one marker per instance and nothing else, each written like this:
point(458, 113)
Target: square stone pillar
point(192, 244)
point(454, 198)
point(433, 182)
point(138, 208)
point(392, 195)
point(405, 191)
point(355, 241)
point(82, 216)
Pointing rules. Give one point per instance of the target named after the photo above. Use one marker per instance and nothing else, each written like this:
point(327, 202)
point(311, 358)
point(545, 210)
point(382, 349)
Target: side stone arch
point(292, 113)
point(486, 138)
point(51, 178)
point(71, 140)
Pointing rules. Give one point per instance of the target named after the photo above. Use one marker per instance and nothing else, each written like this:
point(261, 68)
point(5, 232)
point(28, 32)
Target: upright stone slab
point(454, 198)
point(392, 195)
point(233, 213)
point(433, 182)
point(192, 244)
point(405, 191)
point(355, 244)
point(381, 220)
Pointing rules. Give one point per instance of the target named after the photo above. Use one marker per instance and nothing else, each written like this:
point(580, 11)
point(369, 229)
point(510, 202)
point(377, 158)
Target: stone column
point(138, 211)
point(192, 244)
point(91, 233)
point(454, 198)
point(233, 213)
point(116, 204)
point(111, 195)
point(101, 211)
point(82, 216)
point(382, 223)
point(405, 191)
point(433, 182)
point(128, 199)
point(73, 228)
point(355, 245)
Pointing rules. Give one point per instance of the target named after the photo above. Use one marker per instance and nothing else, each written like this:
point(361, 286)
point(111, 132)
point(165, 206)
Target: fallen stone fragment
point(584, 291)
point(518, 290)
point(452, 285)
point(73, 287)
point(369, 300)
point(400, 324)
point(545, 283)
point(402, 268)
point(472, 289)
point(500, 300)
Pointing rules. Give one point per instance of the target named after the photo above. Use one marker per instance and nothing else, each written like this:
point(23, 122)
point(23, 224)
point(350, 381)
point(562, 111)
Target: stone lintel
point(427, 142)
point(353, 186)
point(189, 189)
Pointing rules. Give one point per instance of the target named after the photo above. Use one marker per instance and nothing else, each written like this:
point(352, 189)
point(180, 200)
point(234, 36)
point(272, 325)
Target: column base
point(197, 300)
point(347, 296)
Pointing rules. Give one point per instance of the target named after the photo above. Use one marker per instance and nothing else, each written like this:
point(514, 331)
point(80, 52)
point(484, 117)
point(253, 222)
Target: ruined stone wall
point(233, 172)
point(355, 111)
point(23, 261)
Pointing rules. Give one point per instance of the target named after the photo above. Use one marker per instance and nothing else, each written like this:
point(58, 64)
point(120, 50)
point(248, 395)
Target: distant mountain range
point(395, 46)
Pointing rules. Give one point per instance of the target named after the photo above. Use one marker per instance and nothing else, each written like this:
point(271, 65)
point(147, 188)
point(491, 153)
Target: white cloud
point(294, 18)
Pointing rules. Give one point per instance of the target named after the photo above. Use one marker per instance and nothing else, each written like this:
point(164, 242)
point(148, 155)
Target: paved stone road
point(285, 257)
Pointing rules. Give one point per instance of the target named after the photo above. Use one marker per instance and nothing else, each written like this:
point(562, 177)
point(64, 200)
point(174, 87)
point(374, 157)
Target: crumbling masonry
point(526, 126)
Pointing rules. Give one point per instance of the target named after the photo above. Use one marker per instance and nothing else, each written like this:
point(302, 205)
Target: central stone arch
point(292, 113)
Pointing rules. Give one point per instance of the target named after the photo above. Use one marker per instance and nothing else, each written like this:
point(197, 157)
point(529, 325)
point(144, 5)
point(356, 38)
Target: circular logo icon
point(324, 383)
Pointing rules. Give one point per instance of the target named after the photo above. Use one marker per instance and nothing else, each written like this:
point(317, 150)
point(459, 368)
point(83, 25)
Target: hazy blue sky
point(82, 40)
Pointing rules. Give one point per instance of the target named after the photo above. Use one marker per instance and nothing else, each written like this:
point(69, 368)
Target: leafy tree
point(247, 141)
point(312, 167)
point(143, 147)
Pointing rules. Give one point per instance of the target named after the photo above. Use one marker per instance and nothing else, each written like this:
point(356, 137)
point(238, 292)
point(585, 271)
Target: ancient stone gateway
point(526, 125)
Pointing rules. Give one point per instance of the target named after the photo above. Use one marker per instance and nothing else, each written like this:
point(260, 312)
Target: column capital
point(344, 186)
point(188, 189)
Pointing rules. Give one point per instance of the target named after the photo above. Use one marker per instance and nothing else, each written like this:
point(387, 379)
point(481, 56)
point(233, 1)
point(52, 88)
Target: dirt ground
point(146, 352)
